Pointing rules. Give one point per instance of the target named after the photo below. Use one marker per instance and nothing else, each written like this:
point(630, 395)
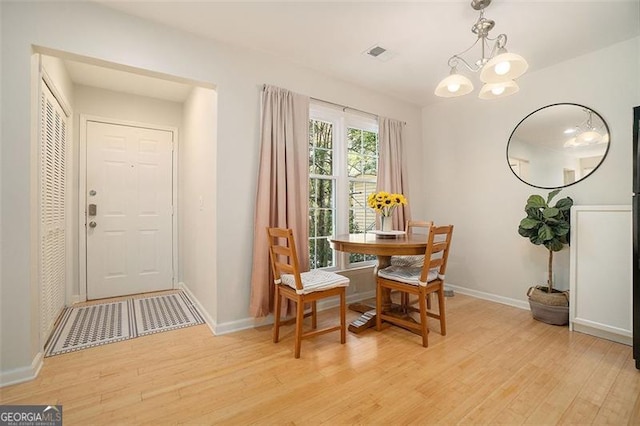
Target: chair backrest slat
point(284, 259)
point(438, 248)
point(412, 224)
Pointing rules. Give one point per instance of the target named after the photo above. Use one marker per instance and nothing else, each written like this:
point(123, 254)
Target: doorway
point(128, 208)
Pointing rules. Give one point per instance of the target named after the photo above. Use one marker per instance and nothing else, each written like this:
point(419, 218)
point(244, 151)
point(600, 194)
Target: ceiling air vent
point(376, 51)
point(379, 53)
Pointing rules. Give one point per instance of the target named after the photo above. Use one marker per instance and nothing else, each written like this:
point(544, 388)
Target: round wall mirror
point(558, 145)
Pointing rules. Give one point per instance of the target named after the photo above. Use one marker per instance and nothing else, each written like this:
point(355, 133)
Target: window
point(343, 170)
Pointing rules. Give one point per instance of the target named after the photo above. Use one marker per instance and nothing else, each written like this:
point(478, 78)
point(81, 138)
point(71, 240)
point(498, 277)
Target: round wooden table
point(383, 248)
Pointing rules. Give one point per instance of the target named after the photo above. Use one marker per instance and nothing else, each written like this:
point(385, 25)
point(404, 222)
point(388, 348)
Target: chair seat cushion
point(417, 260)
point(316, 280)
point(407, 274)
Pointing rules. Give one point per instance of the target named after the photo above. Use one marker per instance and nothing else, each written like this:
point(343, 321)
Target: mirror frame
point(549, 106)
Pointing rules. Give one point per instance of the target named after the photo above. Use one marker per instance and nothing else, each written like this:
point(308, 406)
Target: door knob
point(92, 224)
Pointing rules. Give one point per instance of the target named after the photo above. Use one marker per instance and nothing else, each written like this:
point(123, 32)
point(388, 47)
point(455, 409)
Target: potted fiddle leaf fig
point(548, 226)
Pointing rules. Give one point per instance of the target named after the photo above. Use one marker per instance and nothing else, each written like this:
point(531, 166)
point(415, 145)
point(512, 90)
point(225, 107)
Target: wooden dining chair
point(302, 288)
point(420, 281)
point(418, 226)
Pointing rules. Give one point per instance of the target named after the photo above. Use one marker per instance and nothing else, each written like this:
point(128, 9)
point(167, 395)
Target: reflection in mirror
point(558, 145)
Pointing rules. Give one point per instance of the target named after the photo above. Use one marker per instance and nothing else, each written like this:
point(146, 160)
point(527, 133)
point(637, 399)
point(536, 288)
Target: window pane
point(324, 223)
point(321, 162)
point(354, 161)
point(370, 143)
point(313, 219)
point(322, 254)
point(358, 257)
point(320, 193)
point(321, 134)
point(370, 167)
point(361, 218)
point(354, 137)
point(320, 147)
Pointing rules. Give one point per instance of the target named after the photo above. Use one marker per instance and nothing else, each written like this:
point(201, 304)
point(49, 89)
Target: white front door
point(128, 210)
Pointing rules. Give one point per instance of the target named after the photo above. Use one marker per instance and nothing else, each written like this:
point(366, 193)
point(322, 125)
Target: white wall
point(127, 107)
point(197, 199)
point(470, 185)
point(88, 29)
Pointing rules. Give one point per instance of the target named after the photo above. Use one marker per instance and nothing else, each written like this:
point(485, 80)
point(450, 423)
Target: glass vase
point(386, 223)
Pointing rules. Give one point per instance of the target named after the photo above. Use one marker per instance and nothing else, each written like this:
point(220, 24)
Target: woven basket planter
point(550, 308)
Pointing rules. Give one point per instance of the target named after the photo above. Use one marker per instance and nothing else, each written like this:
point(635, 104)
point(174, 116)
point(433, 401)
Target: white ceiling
point(331, 36)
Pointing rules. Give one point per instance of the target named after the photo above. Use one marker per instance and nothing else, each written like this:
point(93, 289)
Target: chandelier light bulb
point(453, 87)
point(589, 137)
point(502, 68)
point(498, 90)
point(495, 72)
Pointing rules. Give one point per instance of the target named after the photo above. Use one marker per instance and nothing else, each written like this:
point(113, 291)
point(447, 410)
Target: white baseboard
point(22, 374)
point(207, 317)
point(488, 296)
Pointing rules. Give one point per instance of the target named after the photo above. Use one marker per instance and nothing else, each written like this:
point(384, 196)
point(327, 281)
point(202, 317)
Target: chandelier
point(498, 70)
point(589, 132)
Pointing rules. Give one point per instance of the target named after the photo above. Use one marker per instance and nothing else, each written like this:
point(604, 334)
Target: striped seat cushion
point(407, 274)
point(417, 260)
point(316, 280)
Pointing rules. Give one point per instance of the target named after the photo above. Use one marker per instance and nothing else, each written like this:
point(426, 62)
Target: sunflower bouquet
point(385, 202)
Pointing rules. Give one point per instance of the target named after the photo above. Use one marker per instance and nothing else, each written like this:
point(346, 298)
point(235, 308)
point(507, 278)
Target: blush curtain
point(392, 169)
point(282, 198)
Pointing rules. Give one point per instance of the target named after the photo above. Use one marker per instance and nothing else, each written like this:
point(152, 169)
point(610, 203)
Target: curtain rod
point(344, 107)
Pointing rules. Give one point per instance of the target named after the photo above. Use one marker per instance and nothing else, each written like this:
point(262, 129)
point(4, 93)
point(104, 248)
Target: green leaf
point(550, 212)
point(564, 204)
point(528, 223)
point(552, 194)
point(527, 233)
point(535, 239)
point(545, 233)
point(535, 201)
point(561, 228)
point(554, 245)
point(534, 213)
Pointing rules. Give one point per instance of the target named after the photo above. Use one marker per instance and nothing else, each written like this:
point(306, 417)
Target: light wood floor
point(496, 365)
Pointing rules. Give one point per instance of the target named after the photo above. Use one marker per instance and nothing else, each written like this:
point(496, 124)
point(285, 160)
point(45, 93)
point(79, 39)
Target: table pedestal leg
point(368, 317)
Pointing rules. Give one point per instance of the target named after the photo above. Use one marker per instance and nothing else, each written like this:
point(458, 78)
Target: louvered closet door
point(129, 235)
point(53, 169)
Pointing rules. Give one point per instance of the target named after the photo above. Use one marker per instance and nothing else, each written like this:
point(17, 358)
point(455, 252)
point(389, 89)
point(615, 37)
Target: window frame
point(341, 121)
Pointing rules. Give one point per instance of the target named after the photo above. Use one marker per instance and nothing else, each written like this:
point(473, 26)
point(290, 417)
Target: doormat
point(88, 326)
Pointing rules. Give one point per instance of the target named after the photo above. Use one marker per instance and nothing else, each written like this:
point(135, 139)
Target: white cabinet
point(600, 272)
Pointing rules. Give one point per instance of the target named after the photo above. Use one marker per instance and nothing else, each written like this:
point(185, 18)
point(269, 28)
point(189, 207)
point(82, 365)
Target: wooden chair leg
point(443, 321)
point(429, 301)
point(404, 300)
point(314, 315)
point(276, 315)
point(299, 321)
point(378, 305)
point(343, 316)
point(423, 318)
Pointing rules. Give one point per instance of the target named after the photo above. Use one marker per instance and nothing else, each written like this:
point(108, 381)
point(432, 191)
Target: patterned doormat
point(93, 325)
